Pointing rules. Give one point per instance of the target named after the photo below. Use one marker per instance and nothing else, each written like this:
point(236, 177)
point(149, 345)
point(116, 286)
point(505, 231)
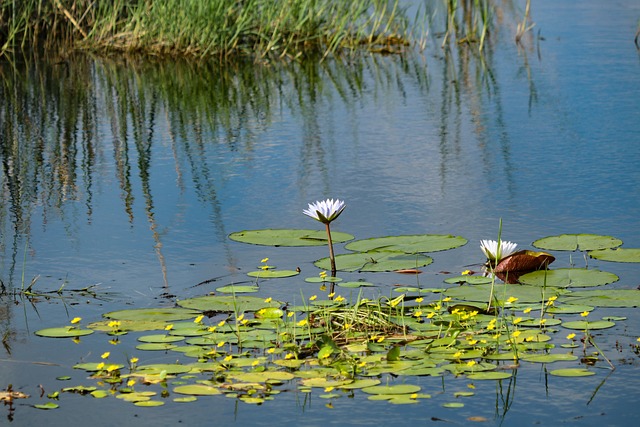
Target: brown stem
point(331, 256)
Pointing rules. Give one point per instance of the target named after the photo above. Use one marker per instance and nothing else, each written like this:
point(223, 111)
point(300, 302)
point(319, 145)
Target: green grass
point(223, 28)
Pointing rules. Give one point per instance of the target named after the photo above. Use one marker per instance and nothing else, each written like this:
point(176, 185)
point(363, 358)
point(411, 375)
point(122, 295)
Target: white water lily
point(495, 253)
point(325, 211)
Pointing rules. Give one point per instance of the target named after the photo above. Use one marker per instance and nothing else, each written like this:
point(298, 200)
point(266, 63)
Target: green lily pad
point(227, 303)
point(568, 278)
point(153, 314)
point(99, 394)
point(288, 237)
point(569, 309)
point(272, 274)
point(361, 383)
point(480, 293)
point(160, 338)
point(152, 346)
point(168, 368)
point(185, 399)
point(617, 255)
point(572, 242)
point(490, 375)
point(92, 366)
point(355, 284)
point(269, 313)
point(472, 280)
point(392, 389)
point(584, 324)
point(548, 358)
point(572, 372)
point(149, 403)
point(604, 297)
point(237, 289)
point(453, 405)
point(197, 390)
point(63, 332)
point(409, 244)
point(48, 405)
point(375, 261)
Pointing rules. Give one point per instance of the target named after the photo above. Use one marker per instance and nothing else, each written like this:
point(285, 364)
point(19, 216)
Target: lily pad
point(392, 389)
point(572, 242)
point(237, 289)
point(490, 375)
point(584, 324)
point(288, 237)
point(480, 293)
point(568, 278)
point(617, 255)
point(197, 390)
point(357, 284)
point(227, 303)
point(153, 314)
point(48, 405)
point(63, 332)
point(375, 261)
point(572, 372)
point(409, 244)
point(548, 358)
point(272, 274)
point(604, 298)
point(361, 383)
point(472, 280)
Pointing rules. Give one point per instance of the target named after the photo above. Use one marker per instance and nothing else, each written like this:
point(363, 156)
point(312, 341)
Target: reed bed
point(223, 28)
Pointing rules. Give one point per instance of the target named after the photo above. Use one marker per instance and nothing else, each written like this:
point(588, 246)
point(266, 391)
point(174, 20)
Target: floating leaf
point(392, 389)
point(605, 298)
point(572, 242)
point(524, 261)
point(237, 289)
point(197, 390)
point(63, 332)
point(149, 403)
point(361, 383)
point(355, 284)
point(48, 405)
point(617, 255)
point(153, 314)
point(155, 346)
point(269, 313)
point(569, 308)
point(584, 325)
point(491, 375)
point(480, 293)
point(568, 278)
point(470, 279)
point(272, 274)
point(375, 261)
point(99, 394)
point(227, 303)
point(185, 399)
point(288, 237)
point(453, 405)
point(409, 244)
point(167, 368)
point(548, 358)
point(160, 338)
point(572, 372)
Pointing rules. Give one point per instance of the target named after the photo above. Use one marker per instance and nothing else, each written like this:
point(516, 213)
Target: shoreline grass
point(196, 28)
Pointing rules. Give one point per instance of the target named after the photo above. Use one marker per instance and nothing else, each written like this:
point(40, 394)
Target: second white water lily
point(495, 252)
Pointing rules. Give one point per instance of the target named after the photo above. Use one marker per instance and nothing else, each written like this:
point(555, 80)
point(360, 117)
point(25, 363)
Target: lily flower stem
point(331, 256)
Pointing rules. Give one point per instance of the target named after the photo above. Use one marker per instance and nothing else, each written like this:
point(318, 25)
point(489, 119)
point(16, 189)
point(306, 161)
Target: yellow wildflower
point(271, 350)
point(264, 260)
point(302, 322)
point(168, 327)
point(584, 314)
point(571, 336)
point(447, 299)
point(313, 297)
point(517, 320)
point(76, 320)
point(417, 313)
point(331, 295)
point(133, 360)
point(268, 300)
point(112, 368)
point(516, 334)
point(222, 323)
point(380, 339)
point(239, 318)
point(527, 310)
point(430, 314)
point(457, 354)
point(115, 324)
point(339, 298)
point(323, 274)
point(105, 355)
point(220, 344)
point(288, 356)
point(328, 389)
point(470, 363)
point(511, 300)
point(100, 366)
point(198, 319)
point(290, 314)
point(255, 363)
point(467, 272)
point(228, 358)
point(419, 299)
point(131, 382)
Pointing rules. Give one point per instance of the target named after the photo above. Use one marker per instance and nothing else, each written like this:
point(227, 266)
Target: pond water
point(129, 175)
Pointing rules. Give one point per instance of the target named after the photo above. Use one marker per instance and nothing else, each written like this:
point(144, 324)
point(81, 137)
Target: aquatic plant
point(326, 211)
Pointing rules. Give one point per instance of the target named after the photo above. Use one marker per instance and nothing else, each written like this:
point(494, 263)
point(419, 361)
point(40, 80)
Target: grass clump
point(223, 28)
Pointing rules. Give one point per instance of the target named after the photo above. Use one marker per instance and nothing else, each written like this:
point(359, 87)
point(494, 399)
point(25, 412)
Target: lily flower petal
point(495, 253)
point(325, 211)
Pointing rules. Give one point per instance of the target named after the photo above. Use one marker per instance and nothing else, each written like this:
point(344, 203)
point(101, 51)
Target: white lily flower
point(325, 211)
point(495, 254)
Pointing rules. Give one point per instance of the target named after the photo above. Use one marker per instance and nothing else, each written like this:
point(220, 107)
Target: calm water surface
point(130, 175)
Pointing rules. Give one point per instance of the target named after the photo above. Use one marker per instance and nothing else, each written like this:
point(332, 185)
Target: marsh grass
point(260, 28)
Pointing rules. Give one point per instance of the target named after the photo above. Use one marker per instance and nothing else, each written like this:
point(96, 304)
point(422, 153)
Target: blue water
point(545, 136)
